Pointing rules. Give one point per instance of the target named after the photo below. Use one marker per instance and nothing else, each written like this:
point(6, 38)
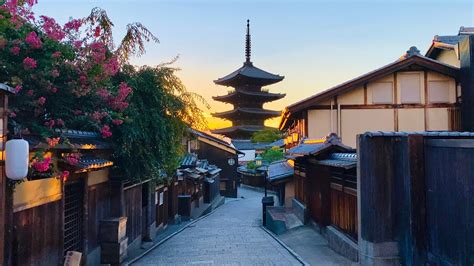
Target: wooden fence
point(416, 201)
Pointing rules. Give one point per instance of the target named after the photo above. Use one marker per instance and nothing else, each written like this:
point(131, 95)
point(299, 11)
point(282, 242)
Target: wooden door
point(74, 216)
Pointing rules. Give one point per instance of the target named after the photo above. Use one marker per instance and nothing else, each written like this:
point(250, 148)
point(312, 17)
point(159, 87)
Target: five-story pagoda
point(248, 115)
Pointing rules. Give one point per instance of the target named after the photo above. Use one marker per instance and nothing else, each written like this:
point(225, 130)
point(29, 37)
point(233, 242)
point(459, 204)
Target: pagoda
point(247, 97)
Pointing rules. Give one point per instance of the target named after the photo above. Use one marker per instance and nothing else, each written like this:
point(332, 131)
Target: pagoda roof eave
point(234, 129)
point(249, 74)
point(264, 96)
point(243, 110)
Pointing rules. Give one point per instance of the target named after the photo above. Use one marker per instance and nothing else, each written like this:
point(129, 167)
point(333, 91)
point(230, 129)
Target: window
point(382, 92)
point(410, 88)
point(438, 91)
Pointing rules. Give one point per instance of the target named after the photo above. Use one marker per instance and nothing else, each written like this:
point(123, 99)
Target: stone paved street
point(229, 236)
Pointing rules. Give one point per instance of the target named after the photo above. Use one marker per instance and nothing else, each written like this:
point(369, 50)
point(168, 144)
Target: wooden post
point(376, 178)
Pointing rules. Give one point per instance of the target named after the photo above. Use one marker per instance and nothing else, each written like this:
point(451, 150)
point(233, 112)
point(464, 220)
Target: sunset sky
point(314, 44)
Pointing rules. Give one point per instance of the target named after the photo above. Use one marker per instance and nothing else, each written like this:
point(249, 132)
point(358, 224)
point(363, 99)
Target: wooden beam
point(395, 100)
point(425, 74)
point(365, 93)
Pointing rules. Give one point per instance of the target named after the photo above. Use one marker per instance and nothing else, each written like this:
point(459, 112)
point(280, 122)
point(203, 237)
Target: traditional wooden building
point(414, 93)
point(247, 97)
point(219, 153)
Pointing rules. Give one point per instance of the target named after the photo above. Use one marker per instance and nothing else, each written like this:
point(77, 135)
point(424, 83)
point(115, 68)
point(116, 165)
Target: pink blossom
point(42, 166)
point(77, 112)
point(117, 122)
point(29, 92)
point(74, 25)
point(54, 89)
point(56, 54)
point(15, 50)
point(105, 131)
point(12, 114)
point(31, 2)
point(97, 31)
point(104, 94)
point(18, 88)
point(73, 158)
point(33, 40)
point(60, 122)
point(41, 100)
point(53, 141)
point(77, 44)
point(52, 29)
point(29, 63)
point(112, 66)
point(55, 73)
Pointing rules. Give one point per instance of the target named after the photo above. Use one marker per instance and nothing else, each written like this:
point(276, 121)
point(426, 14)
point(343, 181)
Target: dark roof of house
point(277, 143)
point(447, 42)
point(249, 74)
point(340, 160)
point(422, 133)
point(82, 140)
point(279, 170)
point(189, 160)
point(410, 60)
point(244, 144)
point(89, 163)
point(214, 139)
point(5, 87)
point(310, 147)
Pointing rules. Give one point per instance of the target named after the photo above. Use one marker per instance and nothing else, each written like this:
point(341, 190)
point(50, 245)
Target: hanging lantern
point(16, 159)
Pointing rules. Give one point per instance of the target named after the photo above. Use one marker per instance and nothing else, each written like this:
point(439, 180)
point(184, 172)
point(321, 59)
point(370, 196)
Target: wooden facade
point(413, 94)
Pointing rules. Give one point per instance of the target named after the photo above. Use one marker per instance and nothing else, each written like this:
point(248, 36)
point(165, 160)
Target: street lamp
point(266, 201)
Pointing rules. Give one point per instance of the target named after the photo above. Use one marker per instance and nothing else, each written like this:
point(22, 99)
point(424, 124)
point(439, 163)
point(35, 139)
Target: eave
point(249, 74)
point(254, 96)
point(261, 113)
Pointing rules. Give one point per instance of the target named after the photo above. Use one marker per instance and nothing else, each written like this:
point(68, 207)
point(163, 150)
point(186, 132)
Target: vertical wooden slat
point(395, 101)
point(425, 109)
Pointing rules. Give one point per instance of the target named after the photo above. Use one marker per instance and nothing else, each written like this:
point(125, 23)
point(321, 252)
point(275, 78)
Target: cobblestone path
point(229, 236)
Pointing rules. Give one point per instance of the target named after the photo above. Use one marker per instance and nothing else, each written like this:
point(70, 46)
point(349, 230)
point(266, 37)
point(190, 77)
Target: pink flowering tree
point(64, 75)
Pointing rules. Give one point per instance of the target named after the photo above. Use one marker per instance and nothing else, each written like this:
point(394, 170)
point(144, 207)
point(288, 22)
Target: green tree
point(267, 135)
point(159, 114)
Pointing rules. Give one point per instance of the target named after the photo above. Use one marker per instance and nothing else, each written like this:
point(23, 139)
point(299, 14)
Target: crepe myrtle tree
point(68, 76)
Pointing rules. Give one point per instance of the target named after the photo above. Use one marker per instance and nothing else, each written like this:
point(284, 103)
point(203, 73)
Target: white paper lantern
point(16, 159)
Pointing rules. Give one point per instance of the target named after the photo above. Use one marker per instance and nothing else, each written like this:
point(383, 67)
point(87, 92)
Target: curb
point(170, 236)
point(285, 246)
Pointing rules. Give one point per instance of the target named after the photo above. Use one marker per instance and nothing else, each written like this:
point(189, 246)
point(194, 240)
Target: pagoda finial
point(247, 43)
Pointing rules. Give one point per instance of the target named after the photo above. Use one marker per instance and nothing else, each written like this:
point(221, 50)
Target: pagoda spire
point(247, 43)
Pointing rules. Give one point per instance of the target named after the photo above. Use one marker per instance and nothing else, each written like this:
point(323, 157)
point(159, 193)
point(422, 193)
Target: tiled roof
point(249, 145)
point(249, 71)
point(82, 140)
point(189, 160)
point(423, 133)
point(5, 87)
point(88, 163)
point(279, 170)
point(212, 138)
point(309, 148)
point(277, 143)
point(341, 160)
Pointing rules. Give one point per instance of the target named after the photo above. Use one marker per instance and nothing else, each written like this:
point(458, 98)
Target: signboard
point(156, 197)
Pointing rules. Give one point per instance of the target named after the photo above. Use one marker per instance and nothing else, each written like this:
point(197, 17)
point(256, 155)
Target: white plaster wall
point(359, 121)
